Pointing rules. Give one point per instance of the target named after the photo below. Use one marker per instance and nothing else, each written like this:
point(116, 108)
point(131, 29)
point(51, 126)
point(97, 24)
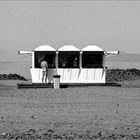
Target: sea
point(23, 67)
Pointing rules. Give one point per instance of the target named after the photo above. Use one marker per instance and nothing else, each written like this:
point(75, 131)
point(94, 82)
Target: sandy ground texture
point(78, 113)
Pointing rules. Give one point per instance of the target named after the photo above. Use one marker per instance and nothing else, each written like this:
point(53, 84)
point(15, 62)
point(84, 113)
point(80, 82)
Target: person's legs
point(43, 76)
point(46, 75)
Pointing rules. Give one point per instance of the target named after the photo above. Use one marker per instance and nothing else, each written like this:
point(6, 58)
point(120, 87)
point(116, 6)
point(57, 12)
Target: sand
point(79, 113)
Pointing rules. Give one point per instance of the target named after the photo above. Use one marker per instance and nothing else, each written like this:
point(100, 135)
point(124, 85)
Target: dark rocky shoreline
point(112, 75)
point(12, 77)
point(120, 75)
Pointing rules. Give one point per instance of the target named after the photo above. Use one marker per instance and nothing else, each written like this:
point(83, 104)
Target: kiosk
point(73, 65)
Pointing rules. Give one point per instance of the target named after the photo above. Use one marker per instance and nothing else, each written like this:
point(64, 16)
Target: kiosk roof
point(68, 48)
point(92, 48)
point(45, 48)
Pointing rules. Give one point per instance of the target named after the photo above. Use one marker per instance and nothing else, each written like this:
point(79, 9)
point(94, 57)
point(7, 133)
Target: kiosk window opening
point(68, 59)
point(47, 56)
point(92, 60)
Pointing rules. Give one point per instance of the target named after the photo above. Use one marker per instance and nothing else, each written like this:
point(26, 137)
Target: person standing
point(44, 66)
point(75, 62)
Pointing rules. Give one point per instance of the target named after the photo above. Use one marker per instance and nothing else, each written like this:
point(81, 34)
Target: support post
point(80, 59)
point(56, 63)
point(33, 59)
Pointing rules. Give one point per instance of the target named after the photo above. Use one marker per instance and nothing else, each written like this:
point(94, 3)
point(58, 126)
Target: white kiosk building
point(73, 65)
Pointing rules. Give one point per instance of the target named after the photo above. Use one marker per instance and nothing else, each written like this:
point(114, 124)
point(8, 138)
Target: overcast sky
point(26, 25)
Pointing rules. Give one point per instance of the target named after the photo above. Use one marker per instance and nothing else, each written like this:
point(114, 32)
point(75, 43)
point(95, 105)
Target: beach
point(94, 48)
point(69, 113)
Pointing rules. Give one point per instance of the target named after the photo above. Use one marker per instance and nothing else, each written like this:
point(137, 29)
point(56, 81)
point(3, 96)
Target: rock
point(31, 131)
point(119, 75)
point(12, 77)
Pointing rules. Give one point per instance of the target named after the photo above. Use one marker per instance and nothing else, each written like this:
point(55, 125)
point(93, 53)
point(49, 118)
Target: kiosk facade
point(69, 64)
point(73, 65)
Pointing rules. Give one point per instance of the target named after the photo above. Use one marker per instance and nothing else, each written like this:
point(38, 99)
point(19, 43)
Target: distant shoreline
point(112, 75)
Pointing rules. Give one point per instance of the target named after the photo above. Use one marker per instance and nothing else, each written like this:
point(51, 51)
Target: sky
point(25, 25)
